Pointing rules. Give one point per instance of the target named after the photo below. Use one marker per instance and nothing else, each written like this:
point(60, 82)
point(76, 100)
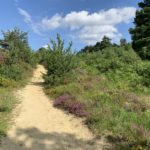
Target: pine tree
point(123, 42)
point(106, 42)
point(141, 33)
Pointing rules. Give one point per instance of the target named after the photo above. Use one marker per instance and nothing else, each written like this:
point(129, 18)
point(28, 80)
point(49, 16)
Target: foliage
point(59, 62)
point(106, 42)
point(7, 102)
point(16, 62)
point(15, 35)
point(5, 82)
point(143, 70)
point(13, 72)
point(120, 65)
point(19, 49)
point(123, 42)
point(111, 86)
point(116, 113)
point(2, 58)
point(69, 103)
point(42, 55)
point(141, 33)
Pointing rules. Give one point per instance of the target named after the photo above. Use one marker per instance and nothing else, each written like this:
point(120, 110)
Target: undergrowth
point(17, 61)
point(7, 103)
point(111, 89)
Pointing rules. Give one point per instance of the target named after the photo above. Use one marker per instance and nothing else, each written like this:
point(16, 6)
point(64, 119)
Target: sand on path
point(40, 126)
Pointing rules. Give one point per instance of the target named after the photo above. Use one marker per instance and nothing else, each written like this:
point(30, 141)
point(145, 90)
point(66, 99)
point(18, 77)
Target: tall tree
point(123, 42)
point(16, 36)
point(106, 42)
point(18, 45)
point(141, 33)
point(59, 61)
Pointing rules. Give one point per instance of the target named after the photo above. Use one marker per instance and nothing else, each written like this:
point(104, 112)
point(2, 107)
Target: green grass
point(7, 103)
point(7, 98)
point(116, 100)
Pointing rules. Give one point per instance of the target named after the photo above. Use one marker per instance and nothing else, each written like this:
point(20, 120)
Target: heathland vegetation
point(16, 63)
point(108, 84)
point(109, 87)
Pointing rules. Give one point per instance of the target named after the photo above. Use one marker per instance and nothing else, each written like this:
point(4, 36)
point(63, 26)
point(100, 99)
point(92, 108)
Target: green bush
point(7, 102)
point(19, 49)
point(118, 115)
point(4, 82)
point(16, 63)
point(11, 72)
point(111, 84)
point(111, 58)
point(41, 55)
point(143, 70)
point(122, 66)
point(59, 62)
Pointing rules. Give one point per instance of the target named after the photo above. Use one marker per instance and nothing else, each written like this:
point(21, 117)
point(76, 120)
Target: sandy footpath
point(40, 126)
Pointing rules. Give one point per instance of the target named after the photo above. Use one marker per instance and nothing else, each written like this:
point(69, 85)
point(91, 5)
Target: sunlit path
point(40, 126)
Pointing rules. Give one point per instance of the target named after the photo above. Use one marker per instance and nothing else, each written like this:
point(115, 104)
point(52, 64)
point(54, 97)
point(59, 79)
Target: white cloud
point(88, 27)
point(110, 17)
point(92, 27)
point(92, 34)
point(26, 15)
point(45, 46)
point(28, 20)
point(52, 23)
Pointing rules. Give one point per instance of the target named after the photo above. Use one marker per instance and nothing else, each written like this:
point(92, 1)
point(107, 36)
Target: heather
point(106, 84)
point(110, 89)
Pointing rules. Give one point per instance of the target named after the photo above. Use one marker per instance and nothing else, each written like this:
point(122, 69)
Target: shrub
point(111, 59)
point(16, 62)
point(143, 70)
point(42, 55)
point(61, 100)
point(19, 49)
point(4, 82)
point(108, 114)
point(77, 108)
point(7, 102)
point(12, 72)
point(59, 62)
point(2, 58)
point(122, 66)
point(69, 103)
point(108, 88)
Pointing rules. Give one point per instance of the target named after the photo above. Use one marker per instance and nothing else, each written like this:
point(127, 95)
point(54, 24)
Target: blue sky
point(82, 21)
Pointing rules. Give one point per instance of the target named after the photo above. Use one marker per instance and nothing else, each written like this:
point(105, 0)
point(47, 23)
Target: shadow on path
point(33, 139)
point(37, 83)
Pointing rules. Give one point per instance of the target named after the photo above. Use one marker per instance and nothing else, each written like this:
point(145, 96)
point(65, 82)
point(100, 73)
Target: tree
point(106, 42)
point(2, 58)
point(123, 42)
point(16, 35)
point(141, 32)
point(86, 49)
point(19, 49)
point(42, 55)
point(59, 62)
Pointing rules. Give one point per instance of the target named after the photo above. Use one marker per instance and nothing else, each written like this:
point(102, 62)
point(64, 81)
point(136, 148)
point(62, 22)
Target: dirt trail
point(40, 126)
